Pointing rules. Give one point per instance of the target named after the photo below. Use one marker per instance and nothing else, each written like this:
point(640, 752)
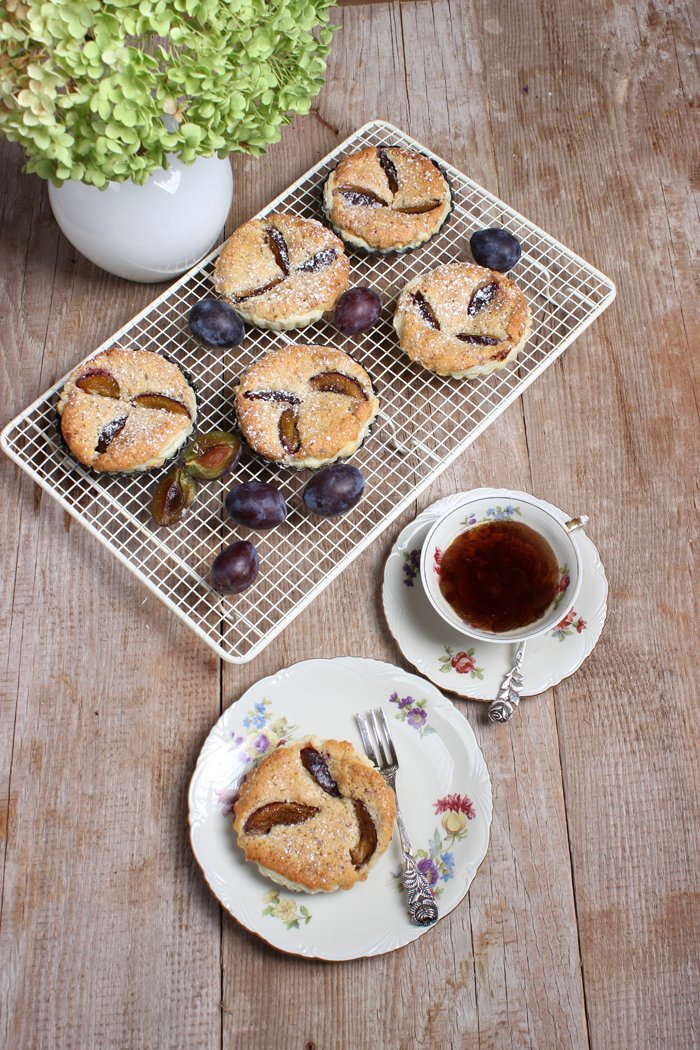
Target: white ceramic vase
point(152, 232)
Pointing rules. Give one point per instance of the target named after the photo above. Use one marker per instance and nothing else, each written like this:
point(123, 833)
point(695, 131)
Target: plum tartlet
point(315, 816)
point(125, 411)
point(305, 406)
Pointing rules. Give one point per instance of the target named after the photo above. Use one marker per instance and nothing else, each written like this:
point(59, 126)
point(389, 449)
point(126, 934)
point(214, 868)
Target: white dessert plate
point(472, 668)
point(443, 785)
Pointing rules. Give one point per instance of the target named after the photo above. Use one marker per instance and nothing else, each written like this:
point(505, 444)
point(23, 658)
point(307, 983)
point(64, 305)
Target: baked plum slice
point(272, 395)
point(162, 403)
point(98, 381)
point(425, 310)
point(278, 246)
point(108, 434)
point(359, 197)
point(419, 209)
point(389, 168)
point(289, 432)
point(481, 298)
point(480, 340)
point(316, 766)
point(264, 819)
point(320, 261)
point(337, 383)
point(366, 844)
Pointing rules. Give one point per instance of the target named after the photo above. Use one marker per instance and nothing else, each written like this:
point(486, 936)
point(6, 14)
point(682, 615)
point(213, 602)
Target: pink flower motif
point(463, 663)
point(580, 625)
point(456, 804)
point(437, 561)
point(566, 622)
point(564, 583)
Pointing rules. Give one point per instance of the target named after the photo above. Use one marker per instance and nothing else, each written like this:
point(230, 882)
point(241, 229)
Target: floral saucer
point(472, 668)
point(443, 787)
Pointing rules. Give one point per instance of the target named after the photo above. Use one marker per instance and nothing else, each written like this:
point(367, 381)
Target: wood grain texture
point(582, 928)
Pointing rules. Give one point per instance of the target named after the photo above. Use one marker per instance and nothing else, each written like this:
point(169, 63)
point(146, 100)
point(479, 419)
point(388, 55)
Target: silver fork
point(380, 750)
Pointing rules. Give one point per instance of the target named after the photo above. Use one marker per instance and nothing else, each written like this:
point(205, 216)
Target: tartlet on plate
point(305, 406)
point(282, 271)
point(387, 199)
point(125, 411)
point(315, 815)
point(462, 320)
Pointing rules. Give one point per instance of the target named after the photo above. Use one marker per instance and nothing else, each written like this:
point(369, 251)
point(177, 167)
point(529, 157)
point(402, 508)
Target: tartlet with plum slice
point(315, 816)
point(125, 411)
point(387, 199)
point(282, 271)
point(305, 406)
point(462, 320)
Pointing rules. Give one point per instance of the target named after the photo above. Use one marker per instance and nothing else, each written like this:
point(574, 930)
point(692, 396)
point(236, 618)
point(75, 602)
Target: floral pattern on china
point(265, 734)
point(437, 862)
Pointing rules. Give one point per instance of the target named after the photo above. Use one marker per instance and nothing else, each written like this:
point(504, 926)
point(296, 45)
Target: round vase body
point(152, 232)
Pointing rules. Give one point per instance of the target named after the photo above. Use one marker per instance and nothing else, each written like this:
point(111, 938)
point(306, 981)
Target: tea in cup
point(502, 570)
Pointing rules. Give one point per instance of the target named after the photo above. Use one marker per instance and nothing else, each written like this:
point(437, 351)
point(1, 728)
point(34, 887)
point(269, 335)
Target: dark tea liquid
point(499, 576)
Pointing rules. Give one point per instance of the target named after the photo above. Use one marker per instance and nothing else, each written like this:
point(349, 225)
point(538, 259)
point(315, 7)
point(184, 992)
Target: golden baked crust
point(282, 272)
point(291, 407)
point(315, 854)
point(387, 199)
point(126, 429)
point(462, 320)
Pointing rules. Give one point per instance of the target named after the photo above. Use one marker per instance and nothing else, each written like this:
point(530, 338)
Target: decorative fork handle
point(422, 909)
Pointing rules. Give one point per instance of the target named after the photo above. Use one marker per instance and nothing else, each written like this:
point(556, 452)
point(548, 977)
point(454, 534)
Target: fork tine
point(366, 739)
point(378, 737)
point(391, 750)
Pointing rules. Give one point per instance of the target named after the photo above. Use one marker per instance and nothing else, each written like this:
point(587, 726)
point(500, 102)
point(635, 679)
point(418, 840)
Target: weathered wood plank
point(601, 156)
point(107, 936)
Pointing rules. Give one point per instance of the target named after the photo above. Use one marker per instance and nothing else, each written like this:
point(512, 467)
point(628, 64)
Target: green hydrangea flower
point(103, 90)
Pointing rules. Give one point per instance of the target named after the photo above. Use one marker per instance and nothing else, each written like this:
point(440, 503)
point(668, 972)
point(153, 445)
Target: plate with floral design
point(472, 668)
point(443, 785)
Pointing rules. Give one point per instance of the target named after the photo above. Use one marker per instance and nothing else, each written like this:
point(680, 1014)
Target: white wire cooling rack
point(426, 421)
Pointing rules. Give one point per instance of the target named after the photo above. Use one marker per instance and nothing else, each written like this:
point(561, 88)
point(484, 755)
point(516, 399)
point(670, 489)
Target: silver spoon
point(501, 709)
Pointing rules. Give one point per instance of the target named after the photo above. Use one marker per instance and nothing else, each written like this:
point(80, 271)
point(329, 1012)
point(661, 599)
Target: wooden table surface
point(582, 926)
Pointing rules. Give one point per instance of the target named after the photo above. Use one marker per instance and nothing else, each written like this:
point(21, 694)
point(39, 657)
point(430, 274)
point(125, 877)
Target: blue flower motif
point(258, 721)
point(260, 708)
point(246, 723)
point(448, 862)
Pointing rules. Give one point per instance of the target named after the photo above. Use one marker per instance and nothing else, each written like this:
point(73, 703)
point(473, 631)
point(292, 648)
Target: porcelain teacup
point(484, 505)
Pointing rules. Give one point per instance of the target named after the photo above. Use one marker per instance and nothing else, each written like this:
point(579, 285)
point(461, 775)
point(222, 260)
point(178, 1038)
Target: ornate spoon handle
point(501, 709)
point(422, 909)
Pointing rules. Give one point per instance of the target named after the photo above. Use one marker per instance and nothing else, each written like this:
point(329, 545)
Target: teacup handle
point(576, 523)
